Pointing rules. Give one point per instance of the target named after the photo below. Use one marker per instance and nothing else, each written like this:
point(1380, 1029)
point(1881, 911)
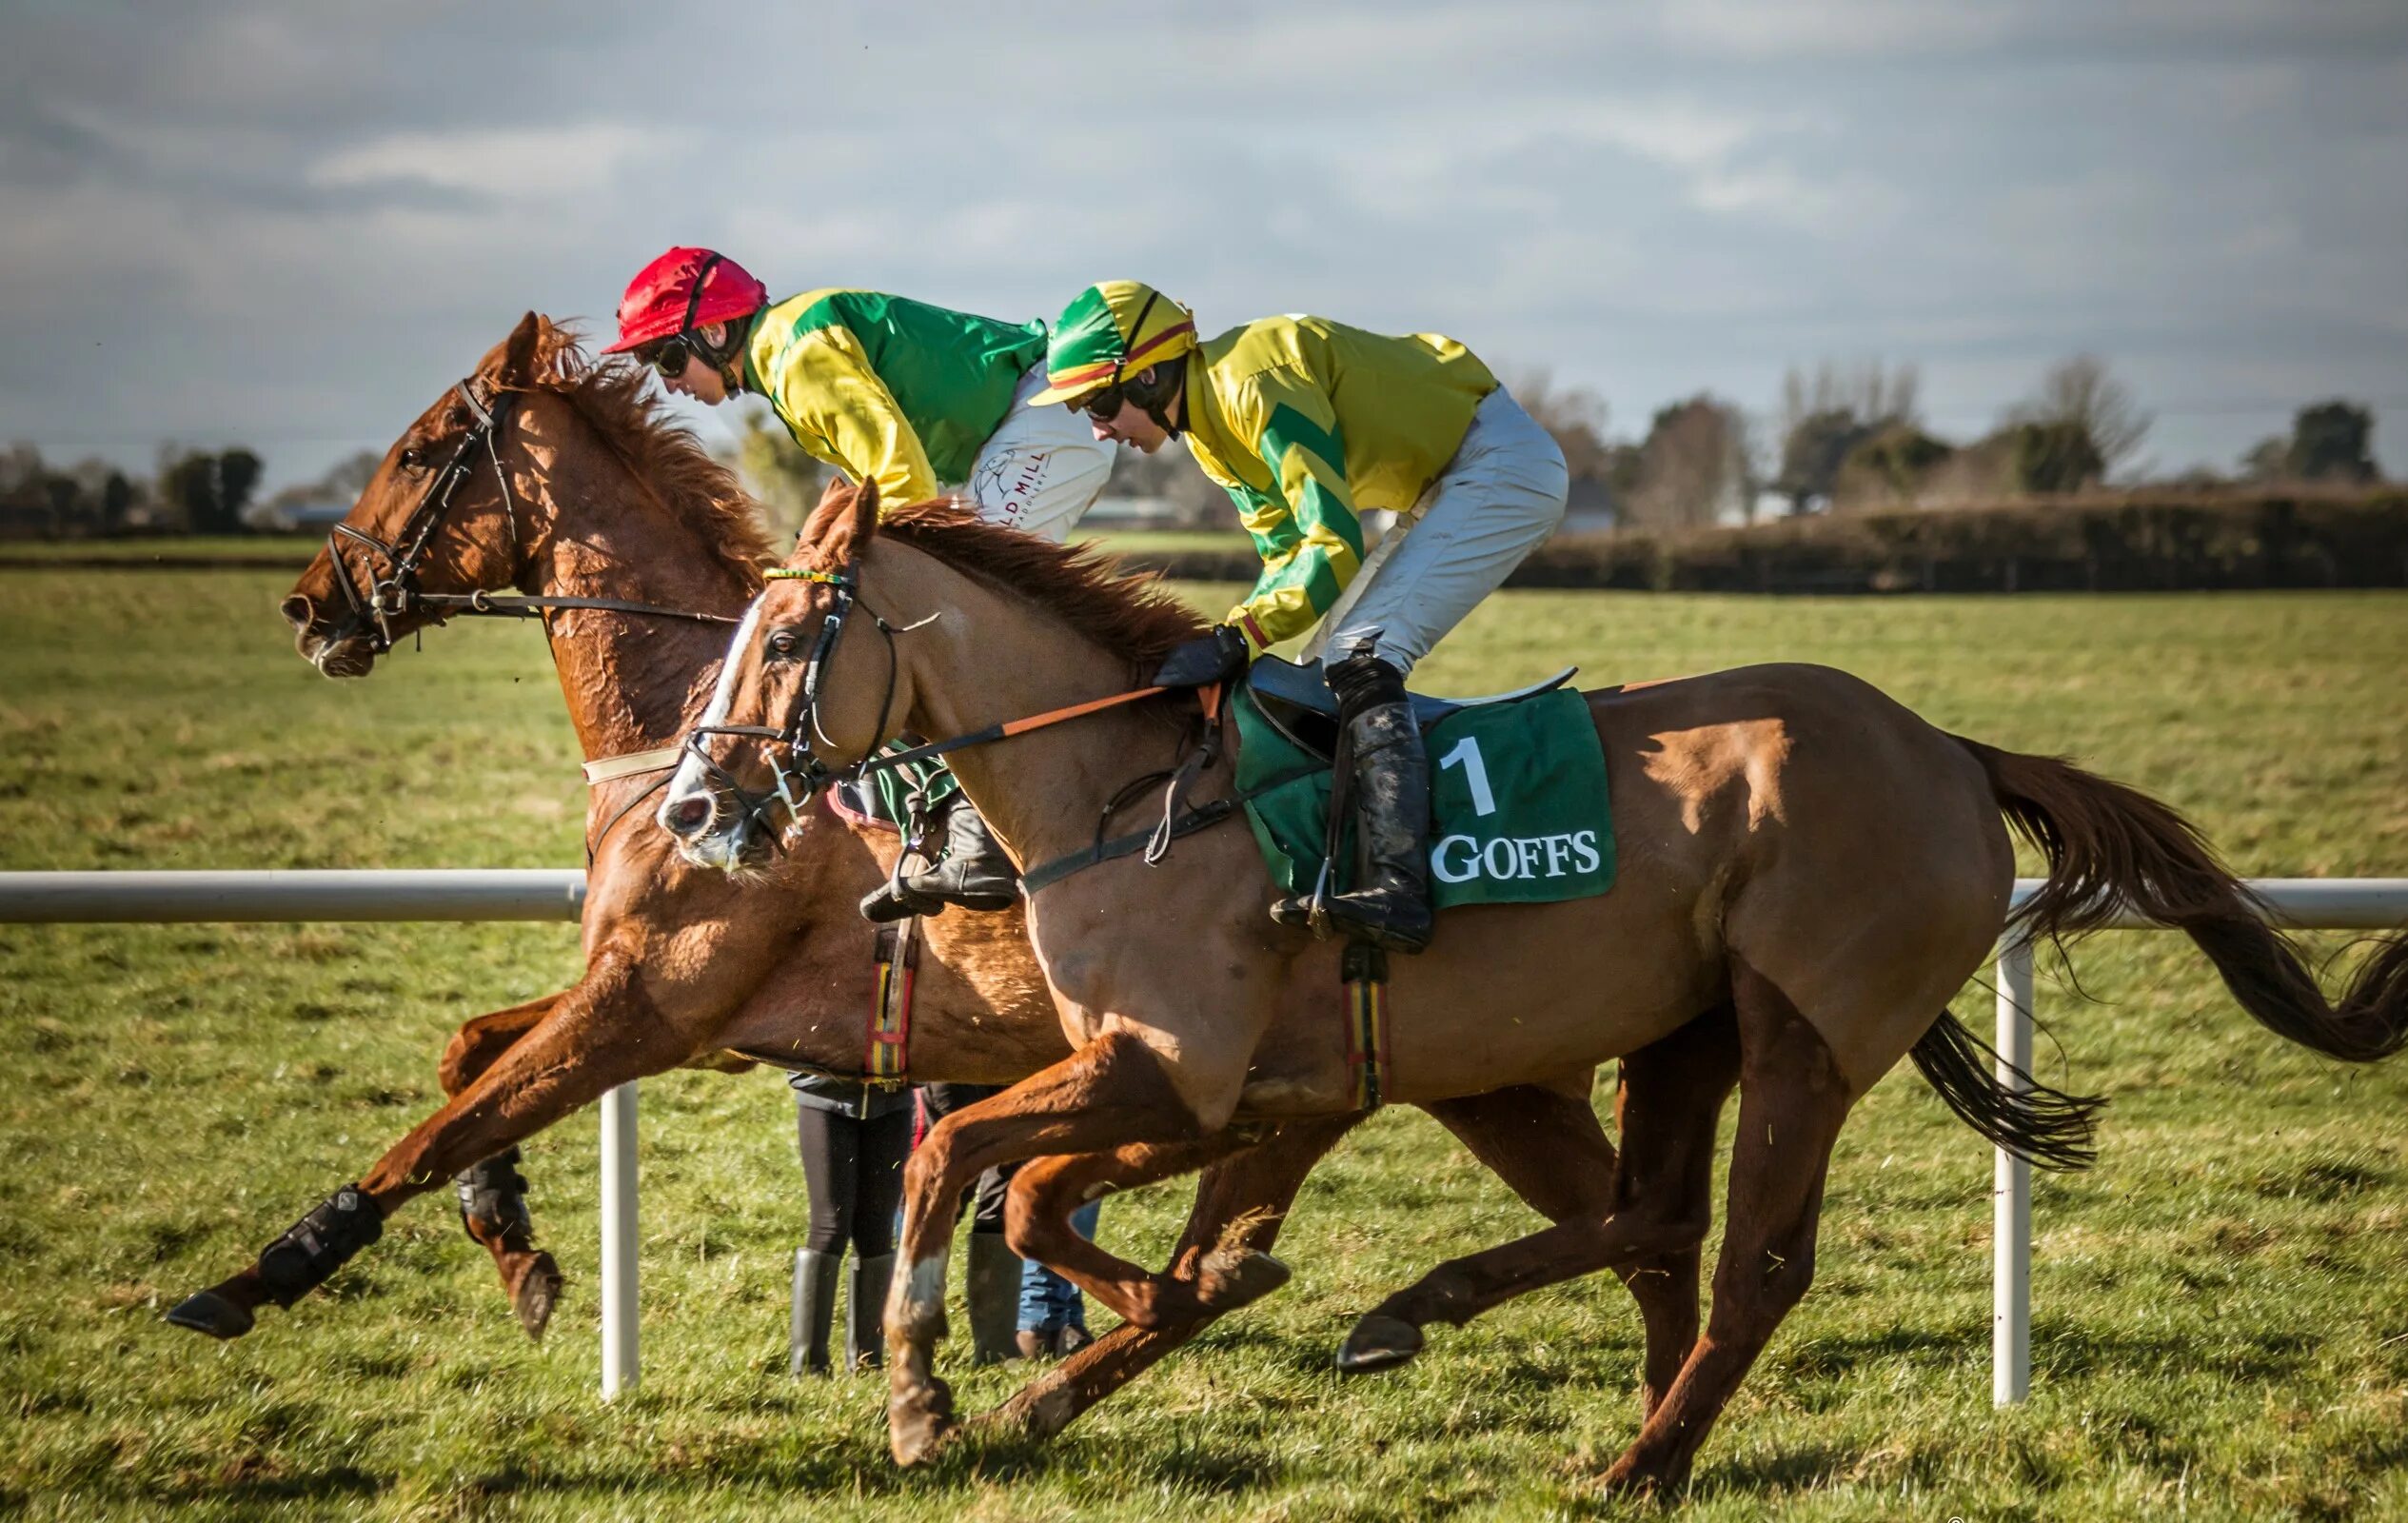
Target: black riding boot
point(813, 1310)
point(865, 1312)
point(1392, 809)
point(975, 872)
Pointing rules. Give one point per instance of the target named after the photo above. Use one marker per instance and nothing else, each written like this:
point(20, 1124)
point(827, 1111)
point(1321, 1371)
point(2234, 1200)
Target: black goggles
point(670, 355)
point(1104, 404)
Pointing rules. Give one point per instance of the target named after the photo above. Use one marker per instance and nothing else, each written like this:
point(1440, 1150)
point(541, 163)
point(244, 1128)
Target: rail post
point(2011, 1192)
point(619, 1357)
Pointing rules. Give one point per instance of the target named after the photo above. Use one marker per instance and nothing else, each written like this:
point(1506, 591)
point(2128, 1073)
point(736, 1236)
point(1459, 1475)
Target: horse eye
point(783, 645)
point(413, 459)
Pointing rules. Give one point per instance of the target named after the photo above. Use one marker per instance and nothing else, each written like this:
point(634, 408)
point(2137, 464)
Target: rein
point(397, 591)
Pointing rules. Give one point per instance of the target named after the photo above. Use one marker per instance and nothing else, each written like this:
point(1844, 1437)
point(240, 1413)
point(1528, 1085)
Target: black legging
point(854, 1171)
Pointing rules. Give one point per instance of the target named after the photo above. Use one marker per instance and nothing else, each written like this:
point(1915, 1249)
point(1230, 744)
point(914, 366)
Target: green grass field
point(2223, 1305)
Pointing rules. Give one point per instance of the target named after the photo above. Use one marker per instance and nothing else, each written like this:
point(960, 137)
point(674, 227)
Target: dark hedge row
point(2124, 545)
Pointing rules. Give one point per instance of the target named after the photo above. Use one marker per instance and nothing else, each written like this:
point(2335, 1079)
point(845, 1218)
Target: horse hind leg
point(493, 1207)
point(1792, 1100)
point(1643, 1215)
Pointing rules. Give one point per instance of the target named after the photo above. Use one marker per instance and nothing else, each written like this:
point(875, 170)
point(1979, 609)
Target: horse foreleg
point(1647, 1226)
point(1792, 1098)
point(492, 1191)
point(1111, 1093)
point(1241, 1203)
point(599, 1035)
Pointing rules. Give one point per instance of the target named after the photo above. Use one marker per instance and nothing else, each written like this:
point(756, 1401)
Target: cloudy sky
point(290, 225)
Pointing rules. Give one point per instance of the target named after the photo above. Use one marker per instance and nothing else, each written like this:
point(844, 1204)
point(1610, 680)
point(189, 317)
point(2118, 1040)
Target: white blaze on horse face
point(691, 781)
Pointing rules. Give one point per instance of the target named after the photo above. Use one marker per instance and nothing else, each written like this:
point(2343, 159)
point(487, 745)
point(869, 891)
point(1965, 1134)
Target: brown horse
point(606, 506)
point(1797, 849)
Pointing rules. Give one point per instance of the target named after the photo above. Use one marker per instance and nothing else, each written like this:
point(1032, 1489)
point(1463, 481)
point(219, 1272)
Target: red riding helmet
point(683, 289)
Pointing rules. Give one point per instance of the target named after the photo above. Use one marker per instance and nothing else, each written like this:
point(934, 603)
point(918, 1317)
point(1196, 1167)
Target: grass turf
point(2222, 1313)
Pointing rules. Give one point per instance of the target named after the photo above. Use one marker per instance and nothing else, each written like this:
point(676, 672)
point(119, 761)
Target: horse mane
point(1133, 615)
point(610, 392)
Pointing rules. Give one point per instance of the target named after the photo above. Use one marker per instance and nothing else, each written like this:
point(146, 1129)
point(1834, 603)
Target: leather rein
point(797, 774)
point(397, 592)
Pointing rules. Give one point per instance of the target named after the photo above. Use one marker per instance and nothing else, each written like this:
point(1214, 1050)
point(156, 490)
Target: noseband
point(397, 590)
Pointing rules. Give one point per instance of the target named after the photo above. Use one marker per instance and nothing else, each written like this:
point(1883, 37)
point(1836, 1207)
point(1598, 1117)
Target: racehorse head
point(826, 666)
point(787, 663)
point(439, 514)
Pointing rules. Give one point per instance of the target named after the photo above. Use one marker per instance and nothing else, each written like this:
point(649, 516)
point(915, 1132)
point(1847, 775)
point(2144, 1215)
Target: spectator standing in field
point(1053, 1313)
point(854, 1139)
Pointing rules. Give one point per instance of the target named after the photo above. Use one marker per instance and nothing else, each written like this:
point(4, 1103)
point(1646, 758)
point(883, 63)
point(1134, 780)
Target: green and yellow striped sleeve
point(1306, 527)
point(837, 409)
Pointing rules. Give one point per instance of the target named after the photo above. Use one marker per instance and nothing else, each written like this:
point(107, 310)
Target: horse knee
point(454, 1070)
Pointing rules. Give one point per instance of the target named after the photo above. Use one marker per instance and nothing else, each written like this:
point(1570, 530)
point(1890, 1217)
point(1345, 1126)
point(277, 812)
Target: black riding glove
point(1219, 657)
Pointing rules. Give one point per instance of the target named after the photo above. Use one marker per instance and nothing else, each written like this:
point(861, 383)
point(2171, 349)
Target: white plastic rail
point(547, 894)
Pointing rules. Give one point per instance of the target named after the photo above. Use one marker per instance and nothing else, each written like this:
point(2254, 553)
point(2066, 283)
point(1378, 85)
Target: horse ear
point(864, 516)
point(841, 524)
point(516, 366)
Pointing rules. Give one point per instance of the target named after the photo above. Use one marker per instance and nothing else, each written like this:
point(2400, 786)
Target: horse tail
point(2041, 1125)
point(2110, 846)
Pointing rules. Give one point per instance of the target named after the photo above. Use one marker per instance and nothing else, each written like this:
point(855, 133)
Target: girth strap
point(887, 1059)
point(1364, 974)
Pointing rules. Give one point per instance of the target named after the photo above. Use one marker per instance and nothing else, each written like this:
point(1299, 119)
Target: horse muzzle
point(336, 651)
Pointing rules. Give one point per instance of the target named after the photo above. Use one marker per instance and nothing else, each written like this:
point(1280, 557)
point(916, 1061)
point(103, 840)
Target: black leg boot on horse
point(1381, 744)
point(974, 871)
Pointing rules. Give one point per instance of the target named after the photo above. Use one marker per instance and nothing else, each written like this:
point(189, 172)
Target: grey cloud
point(295, 221)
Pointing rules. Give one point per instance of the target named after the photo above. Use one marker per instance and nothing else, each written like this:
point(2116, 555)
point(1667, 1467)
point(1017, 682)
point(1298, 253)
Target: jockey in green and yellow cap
point(1307, 424)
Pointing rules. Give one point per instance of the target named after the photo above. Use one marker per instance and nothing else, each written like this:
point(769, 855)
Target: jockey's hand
point(1219, 657)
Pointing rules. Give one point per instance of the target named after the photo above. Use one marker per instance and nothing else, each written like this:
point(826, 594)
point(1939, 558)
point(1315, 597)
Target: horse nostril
point(297, 610)
point(690, 816)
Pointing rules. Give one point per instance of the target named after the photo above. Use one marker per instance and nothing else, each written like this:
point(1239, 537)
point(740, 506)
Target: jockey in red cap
point(911, 396)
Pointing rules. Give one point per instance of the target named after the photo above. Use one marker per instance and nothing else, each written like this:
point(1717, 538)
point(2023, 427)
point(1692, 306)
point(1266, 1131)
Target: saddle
point(1298, 702)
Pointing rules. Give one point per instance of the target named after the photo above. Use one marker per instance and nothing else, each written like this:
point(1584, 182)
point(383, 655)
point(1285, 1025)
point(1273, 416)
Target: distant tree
point(1889, 470)
point(1826, 415)
point(784, 480)
point(2331, 441)
point(2266, 460)
point(2049, 457)
point(1574, 415)
point(1694, 466)
point(346, 479)
point(2079, 395)
point(211, 490)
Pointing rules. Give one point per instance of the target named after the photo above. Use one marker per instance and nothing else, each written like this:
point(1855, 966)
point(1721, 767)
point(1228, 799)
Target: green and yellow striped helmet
point(1108, 332)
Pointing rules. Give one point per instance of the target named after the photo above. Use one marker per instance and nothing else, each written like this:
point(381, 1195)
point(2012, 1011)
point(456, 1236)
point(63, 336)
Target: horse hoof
point(918, 1420)
point(538, 1292)
point(1229, 1284)
point(914, 1439)
point(1378, 1343)
point(209, 1311)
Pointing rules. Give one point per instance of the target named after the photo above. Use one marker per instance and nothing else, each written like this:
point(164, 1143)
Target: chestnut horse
point(606, 506)
point(1796, 849)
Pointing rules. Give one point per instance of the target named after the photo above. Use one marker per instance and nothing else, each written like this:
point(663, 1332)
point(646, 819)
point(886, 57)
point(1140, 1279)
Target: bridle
point(796, 773)
point(397, 591)
point(393, 593)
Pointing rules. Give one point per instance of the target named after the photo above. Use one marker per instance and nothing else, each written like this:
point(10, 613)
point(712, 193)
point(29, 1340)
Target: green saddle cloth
point(1517, 798)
